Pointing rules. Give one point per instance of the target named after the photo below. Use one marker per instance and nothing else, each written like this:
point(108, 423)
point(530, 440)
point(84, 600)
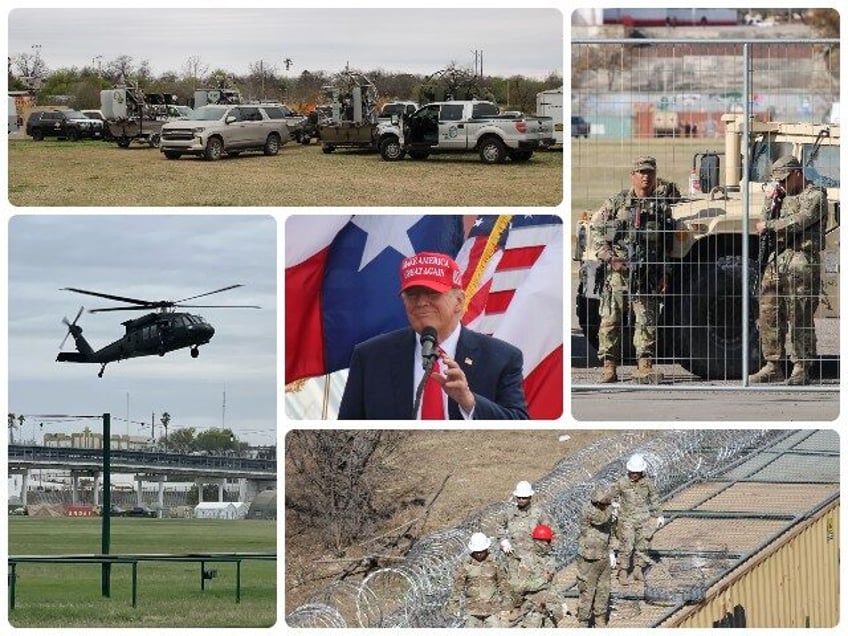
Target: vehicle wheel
point(521, 155)
point(492, 150)
point(327, 149)
point(391, 150)
point(419, 155)
point(214, 149)
point(37, 135)
point(153, 141)
point(74, 134)
point(123, 142)
point(272, 145)
point(709, 323)
point(170, 154)
point(305, 139)
point(589, 319)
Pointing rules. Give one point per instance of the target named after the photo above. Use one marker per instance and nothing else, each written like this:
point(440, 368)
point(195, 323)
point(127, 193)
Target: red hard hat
point(543, 532)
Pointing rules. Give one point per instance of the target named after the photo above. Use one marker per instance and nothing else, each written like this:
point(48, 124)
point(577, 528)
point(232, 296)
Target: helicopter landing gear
point(195, 351)
point(102, 369)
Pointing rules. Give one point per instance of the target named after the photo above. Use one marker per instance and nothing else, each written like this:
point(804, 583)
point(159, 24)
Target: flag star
point(383, 232)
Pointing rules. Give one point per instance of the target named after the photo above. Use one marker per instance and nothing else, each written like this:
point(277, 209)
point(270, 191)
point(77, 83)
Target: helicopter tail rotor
point(71, 326)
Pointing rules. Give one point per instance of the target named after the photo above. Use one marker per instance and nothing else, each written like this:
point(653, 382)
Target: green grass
point(169, 595)
point(97, 173)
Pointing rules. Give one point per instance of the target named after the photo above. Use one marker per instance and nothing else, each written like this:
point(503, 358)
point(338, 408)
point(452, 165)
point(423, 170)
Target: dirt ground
point(481, 467)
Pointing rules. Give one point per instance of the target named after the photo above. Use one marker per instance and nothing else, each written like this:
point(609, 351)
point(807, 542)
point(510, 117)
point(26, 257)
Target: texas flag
point(342, 281)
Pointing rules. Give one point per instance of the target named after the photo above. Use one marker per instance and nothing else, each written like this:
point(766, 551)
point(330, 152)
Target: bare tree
point(194, 70)
point(335, 480)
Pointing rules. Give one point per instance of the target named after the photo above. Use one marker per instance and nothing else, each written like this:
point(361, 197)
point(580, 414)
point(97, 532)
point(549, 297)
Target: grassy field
point(169, 595)
point(96, 173)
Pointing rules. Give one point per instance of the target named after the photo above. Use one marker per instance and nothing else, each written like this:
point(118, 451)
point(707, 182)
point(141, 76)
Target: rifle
point(768, 238)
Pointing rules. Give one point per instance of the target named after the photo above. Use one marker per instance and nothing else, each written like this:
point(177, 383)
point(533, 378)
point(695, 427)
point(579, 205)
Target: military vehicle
point(701, 320)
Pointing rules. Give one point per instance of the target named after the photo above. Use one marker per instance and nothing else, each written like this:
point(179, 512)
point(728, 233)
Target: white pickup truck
point(464, 126)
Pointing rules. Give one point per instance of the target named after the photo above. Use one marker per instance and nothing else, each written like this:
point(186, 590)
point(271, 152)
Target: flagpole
point(488, 251)
point(325, 407)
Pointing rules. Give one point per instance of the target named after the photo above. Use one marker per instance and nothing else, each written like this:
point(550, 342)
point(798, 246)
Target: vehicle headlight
point(198, 130)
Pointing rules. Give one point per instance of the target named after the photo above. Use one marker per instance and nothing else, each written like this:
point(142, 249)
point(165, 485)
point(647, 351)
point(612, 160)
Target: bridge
point(146, 465)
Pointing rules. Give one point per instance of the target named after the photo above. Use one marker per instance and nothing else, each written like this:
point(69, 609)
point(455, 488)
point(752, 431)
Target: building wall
point(793, 582)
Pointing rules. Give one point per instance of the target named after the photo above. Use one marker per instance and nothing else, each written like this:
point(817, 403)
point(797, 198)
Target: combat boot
point(645, 372)
point(609, 375)
point(622, 577)
point(771, 372)
point(600, 620)
point(799, 376)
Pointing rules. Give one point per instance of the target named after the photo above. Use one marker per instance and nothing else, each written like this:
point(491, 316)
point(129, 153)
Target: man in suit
point(475, 376)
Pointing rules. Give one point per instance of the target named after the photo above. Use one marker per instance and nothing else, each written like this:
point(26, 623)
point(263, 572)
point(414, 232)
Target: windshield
point(74, 114)
point(209, 113)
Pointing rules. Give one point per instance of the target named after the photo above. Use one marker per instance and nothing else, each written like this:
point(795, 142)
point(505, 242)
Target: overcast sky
point(526, 41)
point(148, 257)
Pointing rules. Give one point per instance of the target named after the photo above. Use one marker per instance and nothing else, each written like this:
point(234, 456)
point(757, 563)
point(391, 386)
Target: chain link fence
point(679, 270)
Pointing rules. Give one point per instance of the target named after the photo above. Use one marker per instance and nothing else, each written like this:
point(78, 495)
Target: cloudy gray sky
point(150, 257)
point(526, 41)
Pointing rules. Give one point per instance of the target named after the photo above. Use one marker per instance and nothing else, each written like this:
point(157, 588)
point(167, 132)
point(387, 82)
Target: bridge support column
point(98, 482)
point(139, 482)
point(161, 497)
point(74, 487)
point(24, 484)
point(199, 484)
point(221, 490)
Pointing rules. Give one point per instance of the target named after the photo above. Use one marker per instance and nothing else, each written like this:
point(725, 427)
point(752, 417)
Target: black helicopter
point(155, 333)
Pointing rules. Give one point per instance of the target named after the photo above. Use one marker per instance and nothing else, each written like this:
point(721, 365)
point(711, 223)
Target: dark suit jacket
point(380, 382)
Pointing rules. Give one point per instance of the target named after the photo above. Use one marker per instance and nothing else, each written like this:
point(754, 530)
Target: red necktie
point(432, 405)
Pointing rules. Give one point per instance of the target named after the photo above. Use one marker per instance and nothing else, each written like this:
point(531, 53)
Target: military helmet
point(636, 464)
point(479, 542)
point(601, 495)
point(543, 532)
point(523, 489)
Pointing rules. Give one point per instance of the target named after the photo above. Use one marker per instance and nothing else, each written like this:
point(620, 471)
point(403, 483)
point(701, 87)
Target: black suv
point(62, 124)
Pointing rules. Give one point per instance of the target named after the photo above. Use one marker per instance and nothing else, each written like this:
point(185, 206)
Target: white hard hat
point(523, 489)
point(636, 464)
point(479, 542)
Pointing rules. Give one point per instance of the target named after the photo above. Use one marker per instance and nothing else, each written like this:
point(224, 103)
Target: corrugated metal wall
point(791, 583)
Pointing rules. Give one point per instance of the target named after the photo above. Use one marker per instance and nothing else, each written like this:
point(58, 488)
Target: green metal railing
point(106, 560)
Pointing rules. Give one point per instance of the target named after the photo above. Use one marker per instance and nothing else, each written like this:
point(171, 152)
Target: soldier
point(595, 558)
point(481, 585)
point(515, 526)
point(637, 503)
point(631, 234)
point(789, 290)
point(537, 600)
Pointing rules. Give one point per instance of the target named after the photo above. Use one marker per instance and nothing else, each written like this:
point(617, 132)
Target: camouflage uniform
point(638, 504)
point(483, 588)
point(789, 290)
point(517, 525)
point(624, 226)
point(537, 600)
point(593, 565)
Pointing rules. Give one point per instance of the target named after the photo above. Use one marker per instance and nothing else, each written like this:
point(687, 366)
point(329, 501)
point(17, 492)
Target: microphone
point(429, 352)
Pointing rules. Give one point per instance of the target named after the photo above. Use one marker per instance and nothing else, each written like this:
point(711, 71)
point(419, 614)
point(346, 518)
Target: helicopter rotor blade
point(127, 308)
point(135, 301)
point(221, 306)
point(217, 291)
point(69, 325)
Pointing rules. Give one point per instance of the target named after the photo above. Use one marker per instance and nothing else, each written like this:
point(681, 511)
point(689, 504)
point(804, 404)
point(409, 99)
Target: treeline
point(80, 88)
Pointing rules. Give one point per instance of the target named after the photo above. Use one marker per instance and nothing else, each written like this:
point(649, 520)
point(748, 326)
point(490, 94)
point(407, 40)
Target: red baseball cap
point(435, 271)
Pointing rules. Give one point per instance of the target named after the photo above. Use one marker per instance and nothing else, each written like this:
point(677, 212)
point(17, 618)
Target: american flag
point(512, 275)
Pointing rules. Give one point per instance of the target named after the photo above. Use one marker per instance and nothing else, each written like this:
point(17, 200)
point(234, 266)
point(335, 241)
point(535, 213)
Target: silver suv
point(220, 128)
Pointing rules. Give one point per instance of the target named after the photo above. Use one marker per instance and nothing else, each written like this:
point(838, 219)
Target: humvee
point(700, 325)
